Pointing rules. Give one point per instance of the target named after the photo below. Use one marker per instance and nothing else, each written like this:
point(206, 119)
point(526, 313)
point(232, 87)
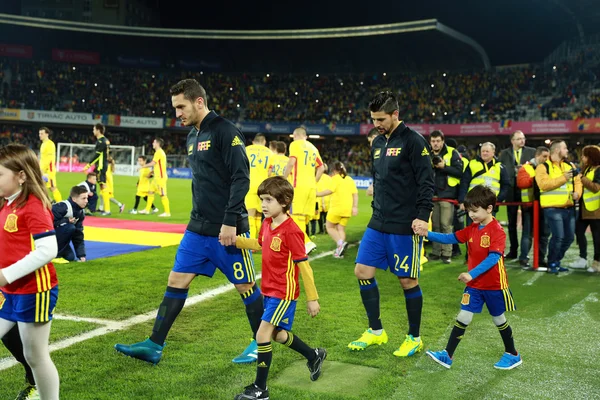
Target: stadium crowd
point(565, 91)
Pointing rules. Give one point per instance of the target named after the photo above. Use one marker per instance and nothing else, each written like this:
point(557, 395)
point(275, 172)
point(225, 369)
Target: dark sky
point(511, 31)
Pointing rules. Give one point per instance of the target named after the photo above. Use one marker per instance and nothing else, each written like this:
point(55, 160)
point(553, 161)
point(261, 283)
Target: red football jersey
point(21, 226)
point(282, 248)
point(480, 242)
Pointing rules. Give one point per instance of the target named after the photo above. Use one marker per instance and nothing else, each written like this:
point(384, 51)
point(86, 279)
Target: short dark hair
point(99, 127)
point(47, 130)
point(141, 156)
point(273, 145)
point(512, 135)
point(281, 147)
point(160, 141)
point(190, 88)
point(77, 190)
point(384, 101)
point(280, 189)
point(540, 149)
point(439, 134)
point(90, 174)
point(373, 132)
point(480, 196)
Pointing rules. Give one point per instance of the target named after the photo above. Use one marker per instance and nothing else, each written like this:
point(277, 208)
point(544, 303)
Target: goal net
point(73, 157)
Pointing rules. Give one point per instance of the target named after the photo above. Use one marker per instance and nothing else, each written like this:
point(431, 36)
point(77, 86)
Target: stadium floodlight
point(72, 157)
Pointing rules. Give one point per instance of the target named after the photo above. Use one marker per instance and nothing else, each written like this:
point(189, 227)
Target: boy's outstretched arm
point(443, 238)
point(247, 243)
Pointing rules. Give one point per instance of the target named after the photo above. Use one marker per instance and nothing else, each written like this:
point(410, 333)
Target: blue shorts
point(34, 307)
point(497, 301)
point(202, 255)
point(279, 312)
point(400, 253)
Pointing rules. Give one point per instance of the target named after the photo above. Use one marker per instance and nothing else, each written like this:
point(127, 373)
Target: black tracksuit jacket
point(402, 181)
point(220, 176)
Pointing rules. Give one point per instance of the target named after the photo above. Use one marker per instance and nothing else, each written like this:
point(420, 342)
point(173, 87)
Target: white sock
point(35, 346)
point(377, 332)
point(340, 242)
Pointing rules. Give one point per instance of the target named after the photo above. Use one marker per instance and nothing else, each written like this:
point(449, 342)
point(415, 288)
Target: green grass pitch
point(555, 327)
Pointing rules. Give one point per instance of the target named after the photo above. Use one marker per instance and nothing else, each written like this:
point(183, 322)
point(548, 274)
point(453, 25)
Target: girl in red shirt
point(28, 284)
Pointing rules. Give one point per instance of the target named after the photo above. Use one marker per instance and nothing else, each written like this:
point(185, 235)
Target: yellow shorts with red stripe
point(159, 187)
point(51, 182)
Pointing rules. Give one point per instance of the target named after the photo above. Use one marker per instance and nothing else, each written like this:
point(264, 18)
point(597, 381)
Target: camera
point(576, 171)
point(436, 160)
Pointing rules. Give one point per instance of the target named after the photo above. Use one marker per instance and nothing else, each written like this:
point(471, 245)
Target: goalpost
point(72, 157)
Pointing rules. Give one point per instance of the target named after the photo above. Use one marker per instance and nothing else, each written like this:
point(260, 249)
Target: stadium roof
point(406, 46)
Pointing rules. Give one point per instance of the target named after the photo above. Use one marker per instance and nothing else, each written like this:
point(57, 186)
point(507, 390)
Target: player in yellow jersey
point(305, 167)
point(259, 156)
point(48, 162)
point(280, 160)
point(110, 187)
point(143, 185)
point(324, 201)
point(159, 184)
point(344, 204)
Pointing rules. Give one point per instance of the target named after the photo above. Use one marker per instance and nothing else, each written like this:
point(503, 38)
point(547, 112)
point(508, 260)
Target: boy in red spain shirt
point(486, 278)
point(283, 256)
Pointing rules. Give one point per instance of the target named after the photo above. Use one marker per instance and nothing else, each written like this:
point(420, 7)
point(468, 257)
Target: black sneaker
point(253, 392)
point(315, 365)
point(446, 260)
point(433, 257)
point(524, 263)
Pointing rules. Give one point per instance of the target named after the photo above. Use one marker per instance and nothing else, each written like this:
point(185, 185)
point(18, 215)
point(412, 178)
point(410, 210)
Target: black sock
point(294, 343)
point(167, 313)
point(414, 306)
point(507, 338)
point(137, 202)
point(369, 292)
point(455, 336)
point(263, 363)
point(254, 307)
point(12, 341)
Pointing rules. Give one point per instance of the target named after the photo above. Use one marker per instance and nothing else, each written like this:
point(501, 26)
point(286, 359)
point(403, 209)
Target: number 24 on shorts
point(402, 265)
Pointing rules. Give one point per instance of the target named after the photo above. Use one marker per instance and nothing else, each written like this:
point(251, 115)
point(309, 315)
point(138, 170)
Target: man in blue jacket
point(68, 224)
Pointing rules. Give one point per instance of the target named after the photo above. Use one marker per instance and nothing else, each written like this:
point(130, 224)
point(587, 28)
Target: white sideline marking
point(114, 326)
point(75, 318)
point(534, 278)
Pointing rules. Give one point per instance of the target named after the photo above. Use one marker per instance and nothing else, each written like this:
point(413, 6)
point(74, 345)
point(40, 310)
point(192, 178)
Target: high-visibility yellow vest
point(491, 177)
point(527, 194)
point(591, 200)
point(560, 196)
point(452, 181)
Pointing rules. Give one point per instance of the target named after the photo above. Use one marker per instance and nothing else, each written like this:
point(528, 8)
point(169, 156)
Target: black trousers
point(581, 226)
point(514, 194)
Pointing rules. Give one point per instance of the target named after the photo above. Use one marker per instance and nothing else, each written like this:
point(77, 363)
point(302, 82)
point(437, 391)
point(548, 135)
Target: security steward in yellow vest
point(589, 208)
point(484, 170)
point(560, 187)
point(447, 172)
point(529, 193)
